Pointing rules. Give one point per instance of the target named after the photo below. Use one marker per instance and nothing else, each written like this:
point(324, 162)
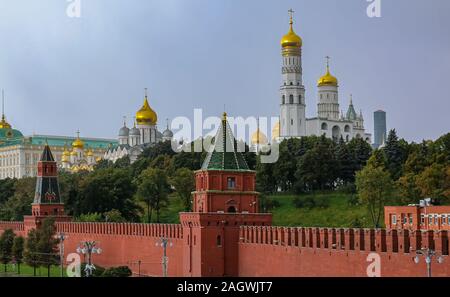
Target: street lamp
point(88, 248)
point(164, 243)
point(428, 254)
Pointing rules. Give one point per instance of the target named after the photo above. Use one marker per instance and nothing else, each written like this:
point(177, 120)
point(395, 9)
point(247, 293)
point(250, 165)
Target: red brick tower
point(225, 198)
point(47, 199)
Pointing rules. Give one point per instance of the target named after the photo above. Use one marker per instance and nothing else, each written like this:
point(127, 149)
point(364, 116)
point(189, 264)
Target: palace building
point(20, 154)
point(144, 133)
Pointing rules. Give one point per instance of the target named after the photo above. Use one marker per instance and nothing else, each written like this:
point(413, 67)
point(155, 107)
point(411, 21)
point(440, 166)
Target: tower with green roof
point(224, 199)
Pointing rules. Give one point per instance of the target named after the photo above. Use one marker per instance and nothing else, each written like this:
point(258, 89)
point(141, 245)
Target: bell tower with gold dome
point(292, 91)
point(328, 100)
point(146, 119)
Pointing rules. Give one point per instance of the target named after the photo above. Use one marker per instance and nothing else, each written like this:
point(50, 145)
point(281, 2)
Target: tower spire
point(291, 17)
point(3, 103)
point(145, 93)
point(328, 63)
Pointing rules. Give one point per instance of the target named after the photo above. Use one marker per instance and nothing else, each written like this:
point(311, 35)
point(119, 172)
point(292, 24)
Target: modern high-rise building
point(379, 125)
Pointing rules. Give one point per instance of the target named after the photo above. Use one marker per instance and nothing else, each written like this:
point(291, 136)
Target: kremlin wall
point(224, 235)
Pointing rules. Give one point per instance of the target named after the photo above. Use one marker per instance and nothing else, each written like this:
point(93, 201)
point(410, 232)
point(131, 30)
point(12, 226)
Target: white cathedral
point(144, 133)
point(330, 121)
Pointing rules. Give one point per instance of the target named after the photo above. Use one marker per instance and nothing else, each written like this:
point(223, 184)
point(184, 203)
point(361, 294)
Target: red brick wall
point(275, 251)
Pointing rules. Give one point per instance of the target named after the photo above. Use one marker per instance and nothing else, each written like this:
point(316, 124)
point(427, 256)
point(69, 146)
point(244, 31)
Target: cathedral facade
point(144, 133)
point(330, 120)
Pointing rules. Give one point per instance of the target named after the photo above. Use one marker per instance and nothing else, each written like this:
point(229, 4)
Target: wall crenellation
point(349, 239)
point(126, 229)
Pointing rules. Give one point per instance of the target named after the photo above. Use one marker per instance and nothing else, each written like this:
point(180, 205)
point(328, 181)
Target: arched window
point(231, 209)
point(283, 99)
point(300, 99)
point(321, 96)
point(336, 133)
point(219, 240)
point(324, 126)
point(291, 83)
point(347, 128)
point(291, 99)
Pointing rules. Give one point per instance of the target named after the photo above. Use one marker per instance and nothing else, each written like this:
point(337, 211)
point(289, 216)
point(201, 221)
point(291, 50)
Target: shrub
point(121, 271)
point(271, 204)
point(304, 202)
point(352, 200)
point(321, 202)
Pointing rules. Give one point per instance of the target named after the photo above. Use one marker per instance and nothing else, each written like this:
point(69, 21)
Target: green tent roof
point(224, 155)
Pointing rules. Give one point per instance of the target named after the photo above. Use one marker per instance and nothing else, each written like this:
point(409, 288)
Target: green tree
point(346, 163)
point(90, 217)
point(395, 155)
point(18, 251)
point(375, 187)
point(153, 189)
point(434, 182)
point(20, 203)
point(284, 169)
point(265, 179)
point(114, 215)
point(184, 183)
point(317, 168)
point(6, 244)
point(31, 254)
point(360, 151)
point(7, 188)
point(104, 190)
point(47, 245)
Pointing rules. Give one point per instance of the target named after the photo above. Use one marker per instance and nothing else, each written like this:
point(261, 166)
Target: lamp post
point(164, 243)
point(88, 248)
point(61, 237)
point(428, 254)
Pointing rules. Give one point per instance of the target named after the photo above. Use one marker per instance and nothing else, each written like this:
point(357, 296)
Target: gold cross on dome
point(291, 14)
point(328, 61)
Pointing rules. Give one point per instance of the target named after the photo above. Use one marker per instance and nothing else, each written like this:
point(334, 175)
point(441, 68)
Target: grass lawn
point(338, 214)
point(27, 271)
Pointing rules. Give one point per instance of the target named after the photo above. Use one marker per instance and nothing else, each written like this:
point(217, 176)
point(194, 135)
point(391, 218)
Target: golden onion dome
point(276, 131)
point(90, 153)
point(4, 124)
point(259, 138)
point(65, 158)
point(78, 143)
point(146, 115)
point(73, 153)
point(291, 40)
point(327, 79)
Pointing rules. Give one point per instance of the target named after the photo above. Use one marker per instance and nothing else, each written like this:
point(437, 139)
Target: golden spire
point(327, 79)
point(291, 40)
point(4, 124)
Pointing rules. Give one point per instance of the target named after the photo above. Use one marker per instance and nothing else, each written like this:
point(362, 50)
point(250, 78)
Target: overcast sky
point(61, 74)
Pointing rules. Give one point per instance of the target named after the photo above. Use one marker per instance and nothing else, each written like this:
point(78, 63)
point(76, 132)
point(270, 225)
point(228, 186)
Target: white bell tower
point(292, 91)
